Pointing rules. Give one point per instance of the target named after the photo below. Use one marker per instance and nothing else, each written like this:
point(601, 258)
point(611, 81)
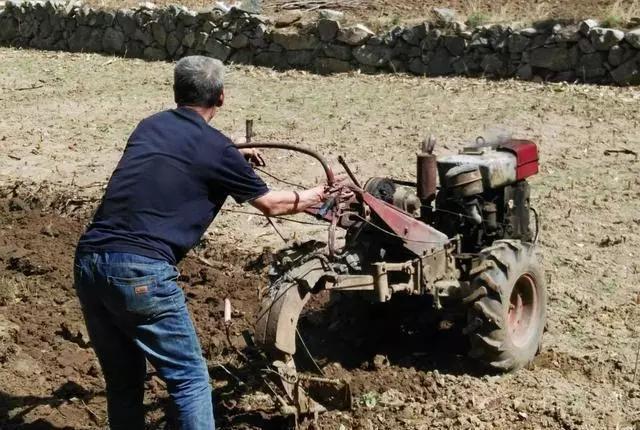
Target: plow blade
point(276, 330)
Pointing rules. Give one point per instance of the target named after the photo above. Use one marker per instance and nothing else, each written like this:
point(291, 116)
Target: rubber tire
point(491, 342)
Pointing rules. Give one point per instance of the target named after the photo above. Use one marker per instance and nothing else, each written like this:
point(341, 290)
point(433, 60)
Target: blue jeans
point(134, 310)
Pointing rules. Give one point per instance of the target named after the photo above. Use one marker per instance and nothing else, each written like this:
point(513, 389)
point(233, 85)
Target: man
point(175, 174)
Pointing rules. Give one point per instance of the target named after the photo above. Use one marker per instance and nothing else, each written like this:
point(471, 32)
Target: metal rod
point(309, 152)
point(344, 164)
point(248, 130)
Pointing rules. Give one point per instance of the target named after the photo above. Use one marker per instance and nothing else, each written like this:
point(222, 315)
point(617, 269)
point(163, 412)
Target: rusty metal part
point(427, 175)
point(347, 169)
point(309, 152)
point(418, 237)
point(279, 312)
point(464, 180)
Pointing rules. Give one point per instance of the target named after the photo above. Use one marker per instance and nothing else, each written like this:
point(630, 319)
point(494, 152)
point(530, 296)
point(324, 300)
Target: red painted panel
point(526, 153)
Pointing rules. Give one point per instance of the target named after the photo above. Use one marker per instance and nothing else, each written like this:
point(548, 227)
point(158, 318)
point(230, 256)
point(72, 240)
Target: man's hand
point(253, 156)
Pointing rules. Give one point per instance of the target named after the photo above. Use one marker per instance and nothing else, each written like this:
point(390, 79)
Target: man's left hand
point(253, 156)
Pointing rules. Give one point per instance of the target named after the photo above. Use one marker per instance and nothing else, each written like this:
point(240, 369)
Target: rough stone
point(239, 41)
point(271, 59)
point(154, 54)
point(585, 46)
point(633, 38)
point(173, 43)
point(444, 15)
point(340, 52)
point(455, 45)
point(355, 35)
point(439, 63)
point(554, 58)
point(113, 41)
point(145, 37)
point(590, 66)
point(126, 21)
point(327, 29)
point(460, 67)
point(586, 26)
point(525, 72)
point(333, 15)
point(414, 35)
point(159, 33)
point(223, 35)
point(616, 55)
point(242, 56)
point(627, 73)
point(517, 43)
point(604, 38)
point(201, 41)
point(134, 49)
point(294, 41)
point(189, 39)
point(216, 49)
point(528, 32)
point(566, 34)
point(493, 65)
point(300, 58)
point(418, 67)
point(79, 38)
point(372, 55)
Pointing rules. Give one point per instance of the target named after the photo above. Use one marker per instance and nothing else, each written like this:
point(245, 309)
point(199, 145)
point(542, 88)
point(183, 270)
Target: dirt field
point(389, 12)
point(65, 119)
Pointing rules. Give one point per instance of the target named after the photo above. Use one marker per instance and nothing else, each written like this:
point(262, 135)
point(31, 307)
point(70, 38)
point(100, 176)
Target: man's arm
point(289, 202)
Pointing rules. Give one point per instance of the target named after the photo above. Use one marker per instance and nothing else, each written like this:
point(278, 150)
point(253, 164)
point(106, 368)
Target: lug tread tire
point(487, 329)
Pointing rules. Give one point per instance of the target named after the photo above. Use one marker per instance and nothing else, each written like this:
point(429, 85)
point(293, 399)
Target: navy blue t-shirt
point(174, 175)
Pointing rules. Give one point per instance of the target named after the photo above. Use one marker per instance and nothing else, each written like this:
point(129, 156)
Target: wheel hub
point(523, 308)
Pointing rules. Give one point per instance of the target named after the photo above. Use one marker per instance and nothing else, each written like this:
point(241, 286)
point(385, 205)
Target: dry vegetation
point(384, 13)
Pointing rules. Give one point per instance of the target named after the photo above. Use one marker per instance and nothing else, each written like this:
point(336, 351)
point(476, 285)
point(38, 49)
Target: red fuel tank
point(526, 153)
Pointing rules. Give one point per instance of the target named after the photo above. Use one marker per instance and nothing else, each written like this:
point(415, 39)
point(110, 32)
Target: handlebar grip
point(326, 207)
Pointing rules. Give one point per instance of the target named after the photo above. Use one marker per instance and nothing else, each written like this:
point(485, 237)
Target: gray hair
point(198, 81)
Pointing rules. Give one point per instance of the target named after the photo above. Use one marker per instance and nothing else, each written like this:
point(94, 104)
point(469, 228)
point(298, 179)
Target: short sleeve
point(236, 178)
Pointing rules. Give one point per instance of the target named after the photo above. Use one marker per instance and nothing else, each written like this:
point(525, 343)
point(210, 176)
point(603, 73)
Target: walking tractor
point(464, 233)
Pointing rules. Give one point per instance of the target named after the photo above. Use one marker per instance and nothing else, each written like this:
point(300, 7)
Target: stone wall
point(583, 52)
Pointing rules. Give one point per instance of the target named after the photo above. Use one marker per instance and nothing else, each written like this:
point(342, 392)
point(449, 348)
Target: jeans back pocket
point(142, 296)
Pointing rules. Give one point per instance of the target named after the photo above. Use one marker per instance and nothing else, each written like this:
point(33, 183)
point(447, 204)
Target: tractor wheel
point(506, 317)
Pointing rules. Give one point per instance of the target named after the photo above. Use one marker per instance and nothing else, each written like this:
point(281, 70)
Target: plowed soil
point(65, 119)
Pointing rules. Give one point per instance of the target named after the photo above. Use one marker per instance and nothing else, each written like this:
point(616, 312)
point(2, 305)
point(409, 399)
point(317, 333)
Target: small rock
point(8, 329)
point(330, 14)
point(444, 15)
point(355, 35)
point(627, 73)
point(380, 362)
point(414, 35)
point(604, 39)
point(17, 204)
point(239, 41)
point(586, 26)
point(585, 46)
point(633, 38)
point(455, 45)
point(616, 55)
point(392, 398)
point(294, 40)
point(554, 58)
point(517, 43)
point(340, 52)
point(372, 55)
point(327, 29)
point(216, 49)
point(528, 32)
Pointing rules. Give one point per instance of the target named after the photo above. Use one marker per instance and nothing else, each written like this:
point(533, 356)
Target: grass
point(621, 13)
